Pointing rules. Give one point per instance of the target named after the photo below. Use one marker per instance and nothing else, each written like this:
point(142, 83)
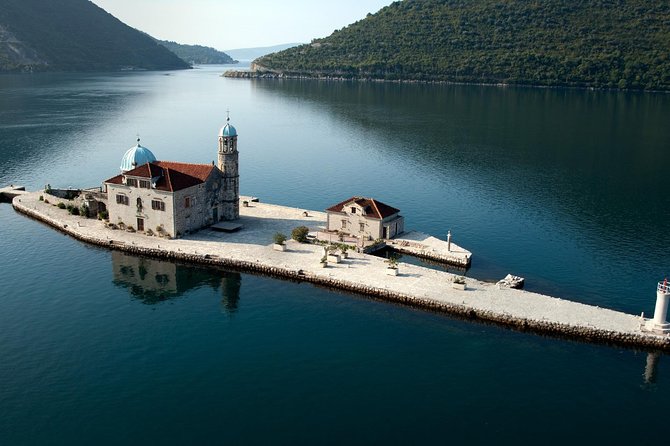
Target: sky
point(232, 24)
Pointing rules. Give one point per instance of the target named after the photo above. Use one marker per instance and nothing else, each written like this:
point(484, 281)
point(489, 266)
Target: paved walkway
point(254, 244)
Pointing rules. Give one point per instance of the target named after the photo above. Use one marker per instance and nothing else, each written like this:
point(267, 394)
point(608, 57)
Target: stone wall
point(586, 334)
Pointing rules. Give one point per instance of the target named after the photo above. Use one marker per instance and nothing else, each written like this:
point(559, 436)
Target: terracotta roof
point(115, 180)
point(173, 176)
point(373, 208)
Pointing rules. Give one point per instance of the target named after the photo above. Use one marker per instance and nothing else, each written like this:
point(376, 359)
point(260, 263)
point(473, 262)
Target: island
point(194, 213)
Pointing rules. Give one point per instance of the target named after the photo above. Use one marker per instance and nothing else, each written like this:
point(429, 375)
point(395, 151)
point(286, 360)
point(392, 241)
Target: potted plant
point(392, 268)
point(279, 240)
point(344, 248)
point(458, 282)
point(324, 262)
point(332, 254)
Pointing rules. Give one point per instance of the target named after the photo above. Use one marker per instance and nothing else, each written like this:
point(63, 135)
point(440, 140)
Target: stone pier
point(428, 247)
point(8, 193)
point(250, 249)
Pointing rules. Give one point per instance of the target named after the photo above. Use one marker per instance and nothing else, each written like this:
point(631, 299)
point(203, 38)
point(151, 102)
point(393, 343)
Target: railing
point(664, 287)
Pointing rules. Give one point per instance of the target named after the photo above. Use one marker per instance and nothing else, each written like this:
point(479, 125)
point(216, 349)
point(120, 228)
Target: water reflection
point(154, 281)
point(651, 368)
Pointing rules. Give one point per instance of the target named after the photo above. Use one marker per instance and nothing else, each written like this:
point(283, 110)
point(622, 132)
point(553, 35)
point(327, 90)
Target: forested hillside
point(197, 54)
point(74, 35)
point(588, 43)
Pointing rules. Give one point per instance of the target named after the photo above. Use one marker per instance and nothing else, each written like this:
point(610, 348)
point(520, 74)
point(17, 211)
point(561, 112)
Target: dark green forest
point(197, 54)
point(578, 43)
point(74, 35)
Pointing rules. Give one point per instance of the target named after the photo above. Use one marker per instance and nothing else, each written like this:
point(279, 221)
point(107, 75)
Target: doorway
point(140, 224)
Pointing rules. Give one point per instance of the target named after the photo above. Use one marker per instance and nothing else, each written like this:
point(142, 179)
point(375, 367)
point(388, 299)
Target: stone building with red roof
point(365, 218)
point(172, 197)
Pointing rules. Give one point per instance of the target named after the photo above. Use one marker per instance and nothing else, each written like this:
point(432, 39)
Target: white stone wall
point(373, 228)
point(394, 224)
point(130, 213)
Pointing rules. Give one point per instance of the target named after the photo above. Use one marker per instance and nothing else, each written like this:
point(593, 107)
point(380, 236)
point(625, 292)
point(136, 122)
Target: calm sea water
point(566, 188)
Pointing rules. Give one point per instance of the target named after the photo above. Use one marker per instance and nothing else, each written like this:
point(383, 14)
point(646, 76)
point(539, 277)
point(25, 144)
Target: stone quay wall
point(544, 327)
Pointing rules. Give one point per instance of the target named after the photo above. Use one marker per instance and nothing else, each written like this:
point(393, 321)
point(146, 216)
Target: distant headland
point(557, 43)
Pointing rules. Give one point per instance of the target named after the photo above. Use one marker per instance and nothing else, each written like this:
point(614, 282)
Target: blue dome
point(228, 130)
point(136, 156)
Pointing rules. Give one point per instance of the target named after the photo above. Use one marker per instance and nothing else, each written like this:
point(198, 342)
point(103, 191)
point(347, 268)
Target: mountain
point(254, 53)
point(74, 35)
point(587, 43)
point(197, 54)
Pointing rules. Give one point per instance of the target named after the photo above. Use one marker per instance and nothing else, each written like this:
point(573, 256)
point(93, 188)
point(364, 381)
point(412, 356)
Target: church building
point(172, 197)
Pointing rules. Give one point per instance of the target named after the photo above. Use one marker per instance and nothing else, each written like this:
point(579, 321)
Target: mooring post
point(449, 240)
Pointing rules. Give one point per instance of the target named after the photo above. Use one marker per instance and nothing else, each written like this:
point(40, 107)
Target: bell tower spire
point(228, 164)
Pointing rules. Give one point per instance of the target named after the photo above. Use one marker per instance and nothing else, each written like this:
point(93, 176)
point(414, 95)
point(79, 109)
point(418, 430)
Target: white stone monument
point(659, 323)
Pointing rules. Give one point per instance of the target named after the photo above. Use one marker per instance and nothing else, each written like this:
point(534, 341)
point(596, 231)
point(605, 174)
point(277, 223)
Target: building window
point(139, 204)
point(157, 205)
point(344, 224)
point(145, 184)
point(131, 182)
point(122, 199)
point(187, 202)
point(362, 227)
point(353, 210)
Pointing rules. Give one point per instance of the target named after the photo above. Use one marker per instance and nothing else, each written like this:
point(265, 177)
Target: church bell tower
point(228, 164)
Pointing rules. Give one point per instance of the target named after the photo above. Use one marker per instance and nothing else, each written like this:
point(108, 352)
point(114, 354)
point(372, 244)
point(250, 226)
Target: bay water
point(564, 187)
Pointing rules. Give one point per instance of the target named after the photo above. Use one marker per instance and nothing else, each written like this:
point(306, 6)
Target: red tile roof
point(172, 176)
point(373, 208)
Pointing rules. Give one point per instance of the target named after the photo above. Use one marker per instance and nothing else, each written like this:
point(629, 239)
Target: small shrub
point(129, 228)
point(61, 205)
point(46, 201)
point(122, 225)
point(83, 211)
point(459, 279)
point(41, 197)
point(103, 215)
point(299, 234)
point(392, 261)
point(279, 238)
point(73, 210)
point(149, 232)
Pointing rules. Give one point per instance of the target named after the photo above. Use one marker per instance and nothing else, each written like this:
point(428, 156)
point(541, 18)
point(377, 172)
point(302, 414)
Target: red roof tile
point(373, 208)
point(172, 176)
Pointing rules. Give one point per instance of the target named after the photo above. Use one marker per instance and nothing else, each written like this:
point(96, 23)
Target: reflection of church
point(155, 281)
point(175, 198)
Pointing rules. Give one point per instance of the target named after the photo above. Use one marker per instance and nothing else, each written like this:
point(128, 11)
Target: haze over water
point(566, 188)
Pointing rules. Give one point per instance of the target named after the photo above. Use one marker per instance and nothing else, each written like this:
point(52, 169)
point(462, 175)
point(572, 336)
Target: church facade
point(175, 198)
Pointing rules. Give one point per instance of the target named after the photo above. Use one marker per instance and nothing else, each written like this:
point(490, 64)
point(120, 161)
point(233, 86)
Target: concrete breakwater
point(250, 250)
